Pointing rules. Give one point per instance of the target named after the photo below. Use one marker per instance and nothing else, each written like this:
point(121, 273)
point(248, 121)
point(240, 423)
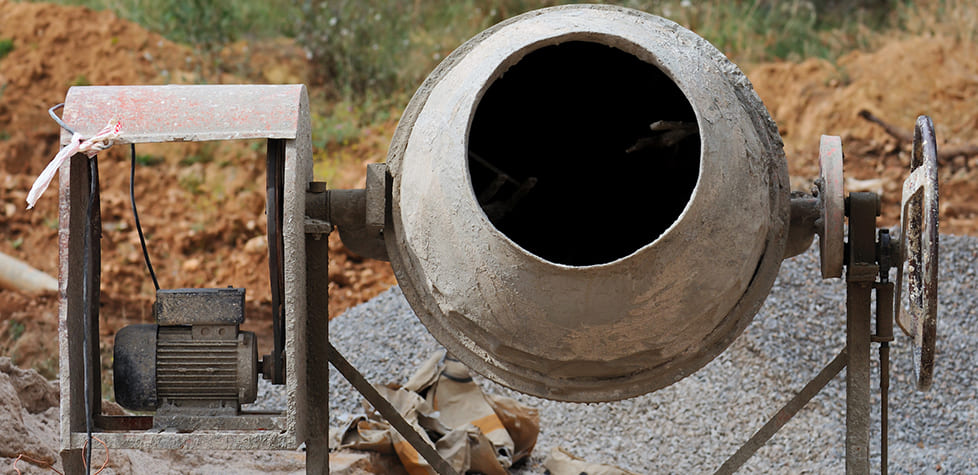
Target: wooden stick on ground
point(16, 274)
point(944, 153)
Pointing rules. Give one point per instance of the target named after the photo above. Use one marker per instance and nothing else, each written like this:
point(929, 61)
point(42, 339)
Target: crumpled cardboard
point(561, 462)
point(472, 431)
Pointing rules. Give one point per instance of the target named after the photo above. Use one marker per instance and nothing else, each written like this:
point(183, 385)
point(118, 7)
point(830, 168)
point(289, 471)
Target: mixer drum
point(588, 203)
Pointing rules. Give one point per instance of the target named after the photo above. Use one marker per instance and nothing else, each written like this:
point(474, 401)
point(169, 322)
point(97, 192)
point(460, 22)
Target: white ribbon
point(100, 141)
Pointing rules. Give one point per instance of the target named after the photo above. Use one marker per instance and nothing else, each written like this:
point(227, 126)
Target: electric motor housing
point(194, 360)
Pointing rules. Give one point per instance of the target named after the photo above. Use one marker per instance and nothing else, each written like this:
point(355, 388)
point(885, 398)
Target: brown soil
point(202, 205)
point(903, 79)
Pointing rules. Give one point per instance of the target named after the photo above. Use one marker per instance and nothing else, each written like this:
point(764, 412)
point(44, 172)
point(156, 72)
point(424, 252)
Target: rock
point(190, 265)
point(35, 393)
point(257, 244)
point(19, 437)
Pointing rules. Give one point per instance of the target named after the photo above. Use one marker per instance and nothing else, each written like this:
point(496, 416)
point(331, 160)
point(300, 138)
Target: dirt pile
point(29, 409)
point(30, 428)
point(905, 78)
point(201, 205)
point(58, 47)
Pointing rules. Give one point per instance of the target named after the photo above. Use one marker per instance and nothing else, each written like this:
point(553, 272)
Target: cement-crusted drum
point(588, 203)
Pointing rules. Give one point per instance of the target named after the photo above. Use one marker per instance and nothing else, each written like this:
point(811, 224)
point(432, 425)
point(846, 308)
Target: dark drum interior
point(564, 160)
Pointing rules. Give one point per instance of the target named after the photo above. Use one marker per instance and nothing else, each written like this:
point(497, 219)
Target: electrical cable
point(58, 119)
point(135, 214)
point(86, 273)
point(86, 297)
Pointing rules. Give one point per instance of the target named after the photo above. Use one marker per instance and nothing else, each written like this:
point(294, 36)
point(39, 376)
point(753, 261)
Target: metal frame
point(281, 114)
point(196, 113)
point(867, 259)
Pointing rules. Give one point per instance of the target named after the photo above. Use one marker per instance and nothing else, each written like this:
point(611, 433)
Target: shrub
point(6, 46)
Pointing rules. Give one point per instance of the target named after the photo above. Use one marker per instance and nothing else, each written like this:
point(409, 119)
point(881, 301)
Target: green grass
point(147, 160)
point(205, 154)
point(371, 54)
point(16, 330)
point(192, 183)
point(372, 49)
point(6, 46)
point(368, 50)
point(204, 23)
point(80, 80)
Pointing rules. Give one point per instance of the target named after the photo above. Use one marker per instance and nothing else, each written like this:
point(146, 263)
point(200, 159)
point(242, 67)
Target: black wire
point(58, 119)
point(135, 214)
point(86, 278)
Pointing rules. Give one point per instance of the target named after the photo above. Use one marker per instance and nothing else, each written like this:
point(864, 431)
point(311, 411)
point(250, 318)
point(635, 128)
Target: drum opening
point(583, 153)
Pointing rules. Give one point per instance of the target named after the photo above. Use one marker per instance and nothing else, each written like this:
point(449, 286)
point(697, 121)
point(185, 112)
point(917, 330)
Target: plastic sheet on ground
point(561, 462)
point(473, 431)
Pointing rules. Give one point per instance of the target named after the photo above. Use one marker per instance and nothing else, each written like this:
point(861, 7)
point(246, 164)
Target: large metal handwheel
point(919, 244)
point(831, 229)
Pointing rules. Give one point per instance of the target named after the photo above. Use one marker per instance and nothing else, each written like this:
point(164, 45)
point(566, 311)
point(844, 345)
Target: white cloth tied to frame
point(100, 141)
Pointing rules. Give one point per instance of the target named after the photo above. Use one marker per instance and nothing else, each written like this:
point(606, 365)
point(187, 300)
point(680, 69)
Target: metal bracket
point(829, 186)
point(360, 215)
point(172, 114)
point(919, 246)
point(867, 257)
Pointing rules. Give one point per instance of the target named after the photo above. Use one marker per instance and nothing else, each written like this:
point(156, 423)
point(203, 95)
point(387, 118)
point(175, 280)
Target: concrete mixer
point(583, 203)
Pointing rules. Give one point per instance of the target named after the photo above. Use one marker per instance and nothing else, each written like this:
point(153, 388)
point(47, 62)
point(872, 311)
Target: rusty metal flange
point(919, 244)
point(831, 229)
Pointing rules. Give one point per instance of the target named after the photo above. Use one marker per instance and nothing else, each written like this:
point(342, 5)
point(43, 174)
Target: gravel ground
point(693, 425)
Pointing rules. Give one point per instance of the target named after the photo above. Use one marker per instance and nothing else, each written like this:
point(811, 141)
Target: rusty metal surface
point(861, 273)
point(920, 236)
point(600, 332)
point(831, 227)
point(317, 339)
point(273, 365)
point(124, 422)
point(806, 211)
point(347, 210)
point(884, 335)
point(187, 113)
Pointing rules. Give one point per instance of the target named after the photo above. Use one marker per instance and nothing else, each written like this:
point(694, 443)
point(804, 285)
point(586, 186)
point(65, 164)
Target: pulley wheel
point(919, 243)
point(831, 242)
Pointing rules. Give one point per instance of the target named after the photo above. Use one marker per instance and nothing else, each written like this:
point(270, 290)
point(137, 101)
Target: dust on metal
point(829, 186)
point(193, 113)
